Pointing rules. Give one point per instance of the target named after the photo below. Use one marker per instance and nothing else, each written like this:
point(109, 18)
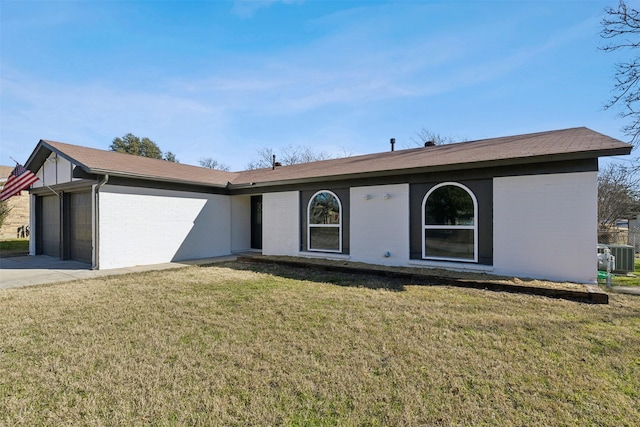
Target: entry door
point(256, 222)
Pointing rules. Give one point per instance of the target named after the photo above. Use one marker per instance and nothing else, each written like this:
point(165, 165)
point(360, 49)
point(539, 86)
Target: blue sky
point(223, 79)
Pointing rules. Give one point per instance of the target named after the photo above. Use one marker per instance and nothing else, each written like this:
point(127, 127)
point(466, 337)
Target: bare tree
point(618, 195)
point(621, 30)
point(289, 155)
point(426, 137)
point(211, 163)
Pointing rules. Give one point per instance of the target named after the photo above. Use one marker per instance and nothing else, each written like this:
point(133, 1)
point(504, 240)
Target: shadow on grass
point(314, 274)
point(347, 275)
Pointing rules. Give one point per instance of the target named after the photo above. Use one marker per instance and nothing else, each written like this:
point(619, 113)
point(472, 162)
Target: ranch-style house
point(522, 206)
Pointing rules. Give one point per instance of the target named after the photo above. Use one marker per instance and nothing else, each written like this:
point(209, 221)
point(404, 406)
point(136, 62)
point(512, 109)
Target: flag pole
point(54, 191)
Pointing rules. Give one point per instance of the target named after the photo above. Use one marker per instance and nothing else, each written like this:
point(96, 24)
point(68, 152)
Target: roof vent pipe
point(429, 144)
point(273, 163)
point(393, 142)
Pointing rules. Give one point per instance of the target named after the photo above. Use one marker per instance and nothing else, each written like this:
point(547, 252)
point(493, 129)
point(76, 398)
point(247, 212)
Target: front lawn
point(246, 344)
point(14, 247)
point(633, 280)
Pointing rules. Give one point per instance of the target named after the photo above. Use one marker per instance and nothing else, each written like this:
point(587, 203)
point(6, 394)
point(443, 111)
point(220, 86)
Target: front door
point(256, 222)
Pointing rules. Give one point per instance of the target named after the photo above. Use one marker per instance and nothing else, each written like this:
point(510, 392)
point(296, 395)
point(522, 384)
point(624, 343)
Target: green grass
point(244, 344)
point(633, 280)
point(12, 247)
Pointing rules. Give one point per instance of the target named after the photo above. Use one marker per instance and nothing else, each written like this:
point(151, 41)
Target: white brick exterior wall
point(147, 226)
point(379, 225)
point(281, 223)
point(544, 226)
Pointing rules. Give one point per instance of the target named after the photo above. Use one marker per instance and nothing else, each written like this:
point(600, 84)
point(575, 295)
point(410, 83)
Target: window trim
point(473, 227)
point(339, 225)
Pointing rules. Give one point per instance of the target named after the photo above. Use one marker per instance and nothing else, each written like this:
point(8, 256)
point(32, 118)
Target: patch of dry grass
point(244, 344)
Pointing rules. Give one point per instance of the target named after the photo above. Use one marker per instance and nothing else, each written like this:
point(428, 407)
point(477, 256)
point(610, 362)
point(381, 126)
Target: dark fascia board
point(102, 172)
point(570, 166)
point(166, 185)
point(43, 150)
point(440, 168)
point(38, 156)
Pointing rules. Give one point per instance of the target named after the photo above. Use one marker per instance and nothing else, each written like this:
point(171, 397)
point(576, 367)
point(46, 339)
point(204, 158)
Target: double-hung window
point(324, 226)
point(450, 218)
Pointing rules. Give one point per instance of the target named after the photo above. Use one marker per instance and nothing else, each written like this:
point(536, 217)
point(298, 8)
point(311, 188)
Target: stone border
point(590, 294)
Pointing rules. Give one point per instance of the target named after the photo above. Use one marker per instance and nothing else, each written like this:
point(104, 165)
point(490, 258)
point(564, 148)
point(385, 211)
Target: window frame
point(338, 226)
point(473, 227)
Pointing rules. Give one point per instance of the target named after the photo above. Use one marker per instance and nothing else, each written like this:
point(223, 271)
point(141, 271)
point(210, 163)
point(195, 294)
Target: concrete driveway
point(40, 269)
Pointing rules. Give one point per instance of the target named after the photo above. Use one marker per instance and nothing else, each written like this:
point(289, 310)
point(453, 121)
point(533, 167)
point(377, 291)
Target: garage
point(64, 230)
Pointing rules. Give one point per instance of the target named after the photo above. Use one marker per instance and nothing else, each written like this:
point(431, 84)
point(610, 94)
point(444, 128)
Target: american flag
point(19, 179)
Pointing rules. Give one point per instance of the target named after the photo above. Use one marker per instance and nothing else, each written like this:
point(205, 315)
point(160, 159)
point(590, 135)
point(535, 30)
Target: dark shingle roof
point(100, 162)
point(566, 144)
point(575, 143)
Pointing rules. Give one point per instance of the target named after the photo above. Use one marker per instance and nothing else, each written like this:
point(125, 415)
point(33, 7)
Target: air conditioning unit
point(624, 258)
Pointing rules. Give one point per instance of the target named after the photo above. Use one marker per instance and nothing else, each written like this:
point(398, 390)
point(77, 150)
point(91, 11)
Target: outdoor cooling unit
point(624, 258)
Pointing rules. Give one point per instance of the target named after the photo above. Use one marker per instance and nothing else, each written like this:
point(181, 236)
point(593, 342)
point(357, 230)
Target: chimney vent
point(393, 142)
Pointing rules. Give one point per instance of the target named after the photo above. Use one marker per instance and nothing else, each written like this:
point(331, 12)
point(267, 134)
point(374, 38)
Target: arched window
point(450, 220)
point(324, 225)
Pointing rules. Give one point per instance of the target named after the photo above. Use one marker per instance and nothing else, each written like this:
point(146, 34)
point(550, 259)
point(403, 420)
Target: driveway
point(41, 269)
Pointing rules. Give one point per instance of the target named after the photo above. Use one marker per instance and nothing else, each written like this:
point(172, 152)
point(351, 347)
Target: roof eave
point(97, 171)
point(441, 168)
point(38, 157)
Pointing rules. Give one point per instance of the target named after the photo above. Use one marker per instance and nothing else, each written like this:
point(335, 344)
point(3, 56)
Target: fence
point(621, 237)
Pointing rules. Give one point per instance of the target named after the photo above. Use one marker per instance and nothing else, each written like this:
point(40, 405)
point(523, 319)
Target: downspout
point(95, 188)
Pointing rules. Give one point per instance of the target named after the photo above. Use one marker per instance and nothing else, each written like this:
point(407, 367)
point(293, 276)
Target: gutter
point(95, 188)
point(107, 172)
point(436, 168)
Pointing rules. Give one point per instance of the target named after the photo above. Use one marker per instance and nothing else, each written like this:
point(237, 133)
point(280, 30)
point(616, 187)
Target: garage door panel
point(50, 217)
point(80, 236)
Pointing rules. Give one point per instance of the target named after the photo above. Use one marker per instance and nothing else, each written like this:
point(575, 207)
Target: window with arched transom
point(324, 226)
point(450, 223)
